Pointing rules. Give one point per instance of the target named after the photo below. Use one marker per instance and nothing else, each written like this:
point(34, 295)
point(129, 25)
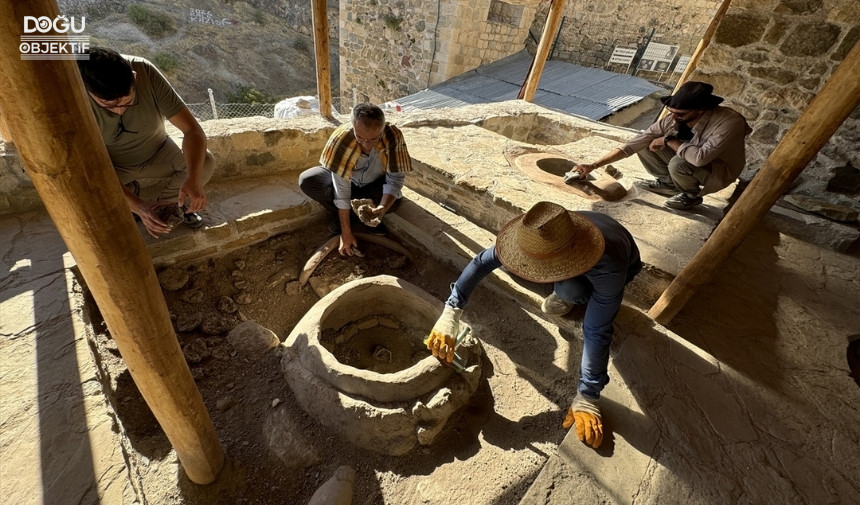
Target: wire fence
point(212, 110)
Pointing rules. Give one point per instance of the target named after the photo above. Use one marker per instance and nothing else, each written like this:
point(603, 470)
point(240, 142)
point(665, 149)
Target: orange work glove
point(444, 333)
point(585, 414)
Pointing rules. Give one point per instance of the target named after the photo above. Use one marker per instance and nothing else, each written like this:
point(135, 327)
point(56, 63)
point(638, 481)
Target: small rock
point(227, 305)
point(237, 274)
point(276, 402)
point(191, 356)
point(252, 339)
point(240, 264)
point(367, 323)
point(285, 438)
point(293, 288)
point(193, 296)
point(189, 322)
point(216, 324)
point(388, 321)
point(225, 403)
point(337, 490)
point(397, 262)
point(244, 298)
point(320, 286)
point(240, 284)
point(173, 279)
point(613, 172)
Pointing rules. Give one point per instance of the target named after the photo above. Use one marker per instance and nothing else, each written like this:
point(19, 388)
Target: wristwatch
point(669, 137)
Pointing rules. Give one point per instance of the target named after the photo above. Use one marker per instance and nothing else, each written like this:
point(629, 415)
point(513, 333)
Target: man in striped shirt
point(366, 158)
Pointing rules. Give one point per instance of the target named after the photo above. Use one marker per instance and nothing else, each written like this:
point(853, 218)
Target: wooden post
point(837, 99)
point(704, 42)
point(321, 50)
point(556, 8)
point(49, 116)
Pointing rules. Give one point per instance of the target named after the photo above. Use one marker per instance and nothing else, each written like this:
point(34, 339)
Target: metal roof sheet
point(583, 91)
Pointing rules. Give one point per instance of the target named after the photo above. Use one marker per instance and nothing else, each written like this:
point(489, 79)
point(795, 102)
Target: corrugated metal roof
point(589, 92)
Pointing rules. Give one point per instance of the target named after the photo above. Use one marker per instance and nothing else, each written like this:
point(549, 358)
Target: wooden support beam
point(49, 116)
point(837, 99)
point(323, 59)
point(704, 42)
point(553, 18)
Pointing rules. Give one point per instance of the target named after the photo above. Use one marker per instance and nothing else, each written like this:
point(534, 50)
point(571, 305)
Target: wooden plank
point(837, 99)
point(49, 116)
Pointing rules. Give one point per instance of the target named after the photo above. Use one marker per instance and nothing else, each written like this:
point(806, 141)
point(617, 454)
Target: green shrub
point(392, 21)
point(154, 24)
point(247, 94)
point(166, 62)
point(259, 17)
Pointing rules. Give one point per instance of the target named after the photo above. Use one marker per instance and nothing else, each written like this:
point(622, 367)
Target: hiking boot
point(555, 306)
point(193, 220)
point(683, 201)
point(660, 187)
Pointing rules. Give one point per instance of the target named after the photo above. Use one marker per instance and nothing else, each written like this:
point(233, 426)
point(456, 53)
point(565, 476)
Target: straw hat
point(549, 243)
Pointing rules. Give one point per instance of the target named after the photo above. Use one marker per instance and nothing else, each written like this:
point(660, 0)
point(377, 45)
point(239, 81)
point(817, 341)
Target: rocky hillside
point(230, 46)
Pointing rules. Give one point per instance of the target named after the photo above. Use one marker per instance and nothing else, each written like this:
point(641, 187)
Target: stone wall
point(393, 48)
point(243, 148)
point(769, 58)
point(591, 30)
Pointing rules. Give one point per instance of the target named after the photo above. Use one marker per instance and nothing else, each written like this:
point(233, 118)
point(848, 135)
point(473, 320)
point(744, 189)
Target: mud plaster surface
point(490, 450)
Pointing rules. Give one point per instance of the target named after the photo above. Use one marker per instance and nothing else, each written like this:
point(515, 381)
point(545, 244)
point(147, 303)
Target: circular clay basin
point(357, 363)
point(550, 169)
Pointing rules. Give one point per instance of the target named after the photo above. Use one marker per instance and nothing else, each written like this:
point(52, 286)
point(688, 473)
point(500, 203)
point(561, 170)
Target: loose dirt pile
point(489, 452)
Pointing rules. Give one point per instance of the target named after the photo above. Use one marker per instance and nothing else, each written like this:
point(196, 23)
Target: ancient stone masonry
point(591, 30)
point(392, 48)
point(769, 59)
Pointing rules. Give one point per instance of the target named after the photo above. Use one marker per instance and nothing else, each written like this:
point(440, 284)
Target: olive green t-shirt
point(142, 131)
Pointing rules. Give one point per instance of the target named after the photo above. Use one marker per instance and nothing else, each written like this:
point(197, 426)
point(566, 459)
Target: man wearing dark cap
point(696, 149)
point(130, 100)
point(589, 257)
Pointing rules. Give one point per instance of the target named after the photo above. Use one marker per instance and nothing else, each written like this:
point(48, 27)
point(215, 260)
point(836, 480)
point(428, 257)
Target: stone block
point(810, 39)
point(847, 43)
point(847, 13)
point(776, 31)
point(740, 29)
point(845, 180)
point(766, 133)
point(774, 74)
point(827, 209)
point(809, 228)
point(797, 7)
point(728, 84)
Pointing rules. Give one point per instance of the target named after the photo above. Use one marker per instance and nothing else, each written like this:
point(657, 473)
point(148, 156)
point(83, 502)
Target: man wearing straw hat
point(589, 257)
point(697, 149)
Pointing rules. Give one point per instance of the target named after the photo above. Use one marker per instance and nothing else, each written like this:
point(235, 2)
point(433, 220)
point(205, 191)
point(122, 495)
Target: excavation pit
point(357, 363)
point(602, 184)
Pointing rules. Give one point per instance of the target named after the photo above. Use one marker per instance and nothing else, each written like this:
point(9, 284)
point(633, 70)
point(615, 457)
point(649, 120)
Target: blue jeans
point(603, 304)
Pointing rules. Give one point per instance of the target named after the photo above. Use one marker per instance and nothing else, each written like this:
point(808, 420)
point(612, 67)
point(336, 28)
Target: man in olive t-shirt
point(130, 100)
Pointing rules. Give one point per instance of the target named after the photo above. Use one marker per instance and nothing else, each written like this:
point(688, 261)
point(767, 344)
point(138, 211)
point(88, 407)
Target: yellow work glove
point(585, 413)
point(441, 339)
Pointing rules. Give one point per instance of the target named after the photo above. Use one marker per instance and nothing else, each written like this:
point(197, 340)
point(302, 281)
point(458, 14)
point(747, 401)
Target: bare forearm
point(611, 157)
point(194, 152)
point(387, 201)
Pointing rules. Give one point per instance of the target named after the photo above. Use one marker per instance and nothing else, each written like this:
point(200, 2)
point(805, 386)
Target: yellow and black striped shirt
point(342, 151)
